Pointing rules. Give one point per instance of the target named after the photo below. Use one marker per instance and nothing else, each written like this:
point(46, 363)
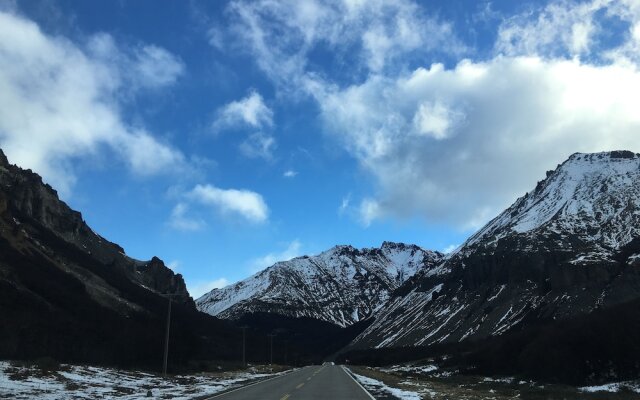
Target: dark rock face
point(29, 204)
point(68, 293)
point(156, 275)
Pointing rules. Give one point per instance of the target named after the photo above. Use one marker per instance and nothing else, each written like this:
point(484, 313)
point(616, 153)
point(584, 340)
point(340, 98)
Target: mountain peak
point(593, 196)
point(394, 245)
point(603, 156)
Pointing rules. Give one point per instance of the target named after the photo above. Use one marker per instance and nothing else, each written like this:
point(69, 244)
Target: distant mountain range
point(342, 285)
point(565, 253)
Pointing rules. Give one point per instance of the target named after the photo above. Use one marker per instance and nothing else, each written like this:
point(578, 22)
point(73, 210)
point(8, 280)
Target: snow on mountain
point(570, 246)
point(595, 197)
point(342, 285)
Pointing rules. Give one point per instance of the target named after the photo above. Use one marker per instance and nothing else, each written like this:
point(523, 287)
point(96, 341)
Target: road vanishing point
point(316, 382)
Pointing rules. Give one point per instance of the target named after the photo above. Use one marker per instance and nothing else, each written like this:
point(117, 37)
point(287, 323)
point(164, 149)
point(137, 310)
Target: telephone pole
point(244, 347)
point(286, 342)
point(166, 336)
point(166, 341)
point(271, 335)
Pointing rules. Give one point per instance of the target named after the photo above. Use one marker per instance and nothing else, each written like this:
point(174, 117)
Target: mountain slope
point(68, 293)
point(342, 285)
point(567, 248)
point(591, 198)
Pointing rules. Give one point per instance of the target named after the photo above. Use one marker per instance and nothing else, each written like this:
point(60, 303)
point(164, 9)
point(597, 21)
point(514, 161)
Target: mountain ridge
point(69, 294)
point(533, 210)
point(26, 197)
point(342, 285)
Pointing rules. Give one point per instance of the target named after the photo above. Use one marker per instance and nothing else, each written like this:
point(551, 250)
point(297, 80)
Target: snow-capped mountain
point(570, 246)
point(342, 285)
point(593, 198)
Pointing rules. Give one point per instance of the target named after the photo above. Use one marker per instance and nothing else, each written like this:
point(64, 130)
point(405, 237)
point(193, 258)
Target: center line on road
point(285, 397)
point(299, 386)
point(309, 378)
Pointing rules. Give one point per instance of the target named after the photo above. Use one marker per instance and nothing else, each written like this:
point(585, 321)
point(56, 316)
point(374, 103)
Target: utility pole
point(286, 342)
point(244, 347)
point(166, 341)
point(271, 335)
point(166, 336)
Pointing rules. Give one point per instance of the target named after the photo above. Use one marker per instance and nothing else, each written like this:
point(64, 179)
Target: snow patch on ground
point(82, 382)
point(613, 387)
point(376, 387)
point(416, 369)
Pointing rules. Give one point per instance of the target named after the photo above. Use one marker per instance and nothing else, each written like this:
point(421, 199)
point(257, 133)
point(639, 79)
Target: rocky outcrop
point(159, 277)
point(30, 208)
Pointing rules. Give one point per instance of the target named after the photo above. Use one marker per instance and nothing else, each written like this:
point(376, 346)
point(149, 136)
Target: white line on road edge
point(253, 384)
point(348, 372)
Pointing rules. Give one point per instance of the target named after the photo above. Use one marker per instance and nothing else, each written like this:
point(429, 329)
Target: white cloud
point(456, 144)
point(281, 34)
point(433, 119)
point(180, 221)
point(137, 67)
point(156, 67)
point(216, 37)
point(293, 250)
point(522, 115)
point(200, 288)
point(450, 248)
point(250, 111)
point(248, 204)
point(259, 145)
point(557, 29)
point(290, 173)
point(369, 211)
point(573, 29)
point(174, 265)
point(60, 101)
point(344, 204)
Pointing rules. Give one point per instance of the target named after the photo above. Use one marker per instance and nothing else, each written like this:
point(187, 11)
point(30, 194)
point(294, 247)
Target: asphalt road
point(310, 383)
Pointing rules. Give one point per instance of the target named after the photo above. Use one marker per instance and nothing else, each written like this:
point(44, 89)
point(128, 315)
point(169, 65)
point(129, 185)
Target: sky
point(223, 136)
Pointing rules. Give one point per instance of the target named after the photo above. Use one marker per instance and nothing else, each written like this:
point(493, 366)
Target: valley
point(554, 277)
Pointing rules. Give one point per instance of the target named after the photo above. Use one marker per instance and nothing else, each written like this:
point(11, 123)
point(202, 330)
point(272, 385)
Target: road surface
point(310, 383)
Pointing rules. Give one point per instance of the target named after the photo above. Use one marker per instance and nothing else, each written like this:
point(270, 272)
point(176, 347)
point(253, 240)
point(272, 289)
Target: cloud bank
point(60, 101)
point(456, 144)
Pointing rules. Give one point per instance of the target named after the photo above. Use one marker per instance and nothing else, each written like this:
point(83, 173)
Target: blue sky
point(224, 136)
